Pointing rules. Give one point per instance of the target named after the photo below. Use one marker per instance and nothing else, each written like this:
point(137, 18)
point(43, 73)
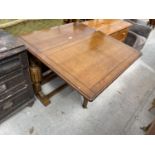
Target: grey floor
point(121, 109)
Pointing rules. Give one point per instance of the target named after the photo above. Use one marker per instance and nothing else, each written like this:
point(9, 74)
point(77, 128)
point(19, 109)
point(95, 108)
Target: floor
point(121, 109)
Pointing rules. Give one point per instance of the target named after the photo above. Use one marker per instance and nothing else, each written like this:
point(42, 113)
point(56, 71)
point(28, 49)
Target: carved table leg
point(36, 77)
point(85, 103)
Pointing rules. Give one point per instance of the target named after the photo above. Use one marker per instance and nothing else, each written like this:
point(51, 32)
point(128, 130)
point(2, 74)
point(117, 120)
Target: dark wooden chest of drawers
point(15, 85)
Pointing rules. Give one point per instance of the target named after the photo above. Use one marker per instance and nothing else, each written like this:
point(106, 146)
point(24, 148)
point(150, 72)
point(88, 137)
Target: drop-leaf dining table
point(86, 59)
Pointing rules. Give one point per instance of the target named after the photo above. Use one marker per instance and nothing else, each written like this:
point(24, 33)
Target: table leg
point(38, 80)
point(36, 77)
point(85, 103)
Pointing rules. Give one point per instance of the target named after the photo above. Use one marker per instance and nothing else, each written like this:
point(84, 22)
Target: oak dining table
point(86, 59)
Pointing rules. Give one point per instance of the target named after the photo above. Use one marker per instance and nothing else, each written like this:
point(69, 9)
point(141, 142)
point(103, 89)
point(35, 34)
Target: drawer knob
point(7, 105)
point(3, 88)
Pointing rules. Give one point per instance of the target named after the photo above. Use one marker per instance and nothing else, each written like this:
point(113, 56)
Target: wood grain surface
point(86, 59)
point(108, 26)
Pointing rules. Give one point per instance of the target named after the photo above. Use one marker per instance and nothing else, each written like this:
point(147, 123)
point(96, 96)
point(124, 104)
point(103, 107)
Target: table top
point(107, 26)
point(87, 60)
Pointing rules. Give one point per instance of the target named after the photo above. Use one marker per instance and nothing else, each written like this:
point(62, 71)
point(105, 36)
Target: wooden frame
point(88, 60)
point(38, 80)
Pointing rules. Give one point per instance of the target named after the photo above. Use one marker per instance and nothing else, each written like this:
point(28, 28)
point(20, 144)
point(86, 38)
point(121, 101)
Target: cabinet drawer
point(12, 63)
point(120, 35)
point(12, 92)
point(11, 82)
point(10, 74)
point(14, 103)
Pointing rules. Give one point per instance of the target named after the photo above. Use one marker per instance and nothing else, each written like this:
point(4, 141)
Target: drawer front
point(120, 35)
point(12, 92)
point(14, 103)
point(12, 82)
point(24, 72)
point(12, 63)
point(4, 77)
